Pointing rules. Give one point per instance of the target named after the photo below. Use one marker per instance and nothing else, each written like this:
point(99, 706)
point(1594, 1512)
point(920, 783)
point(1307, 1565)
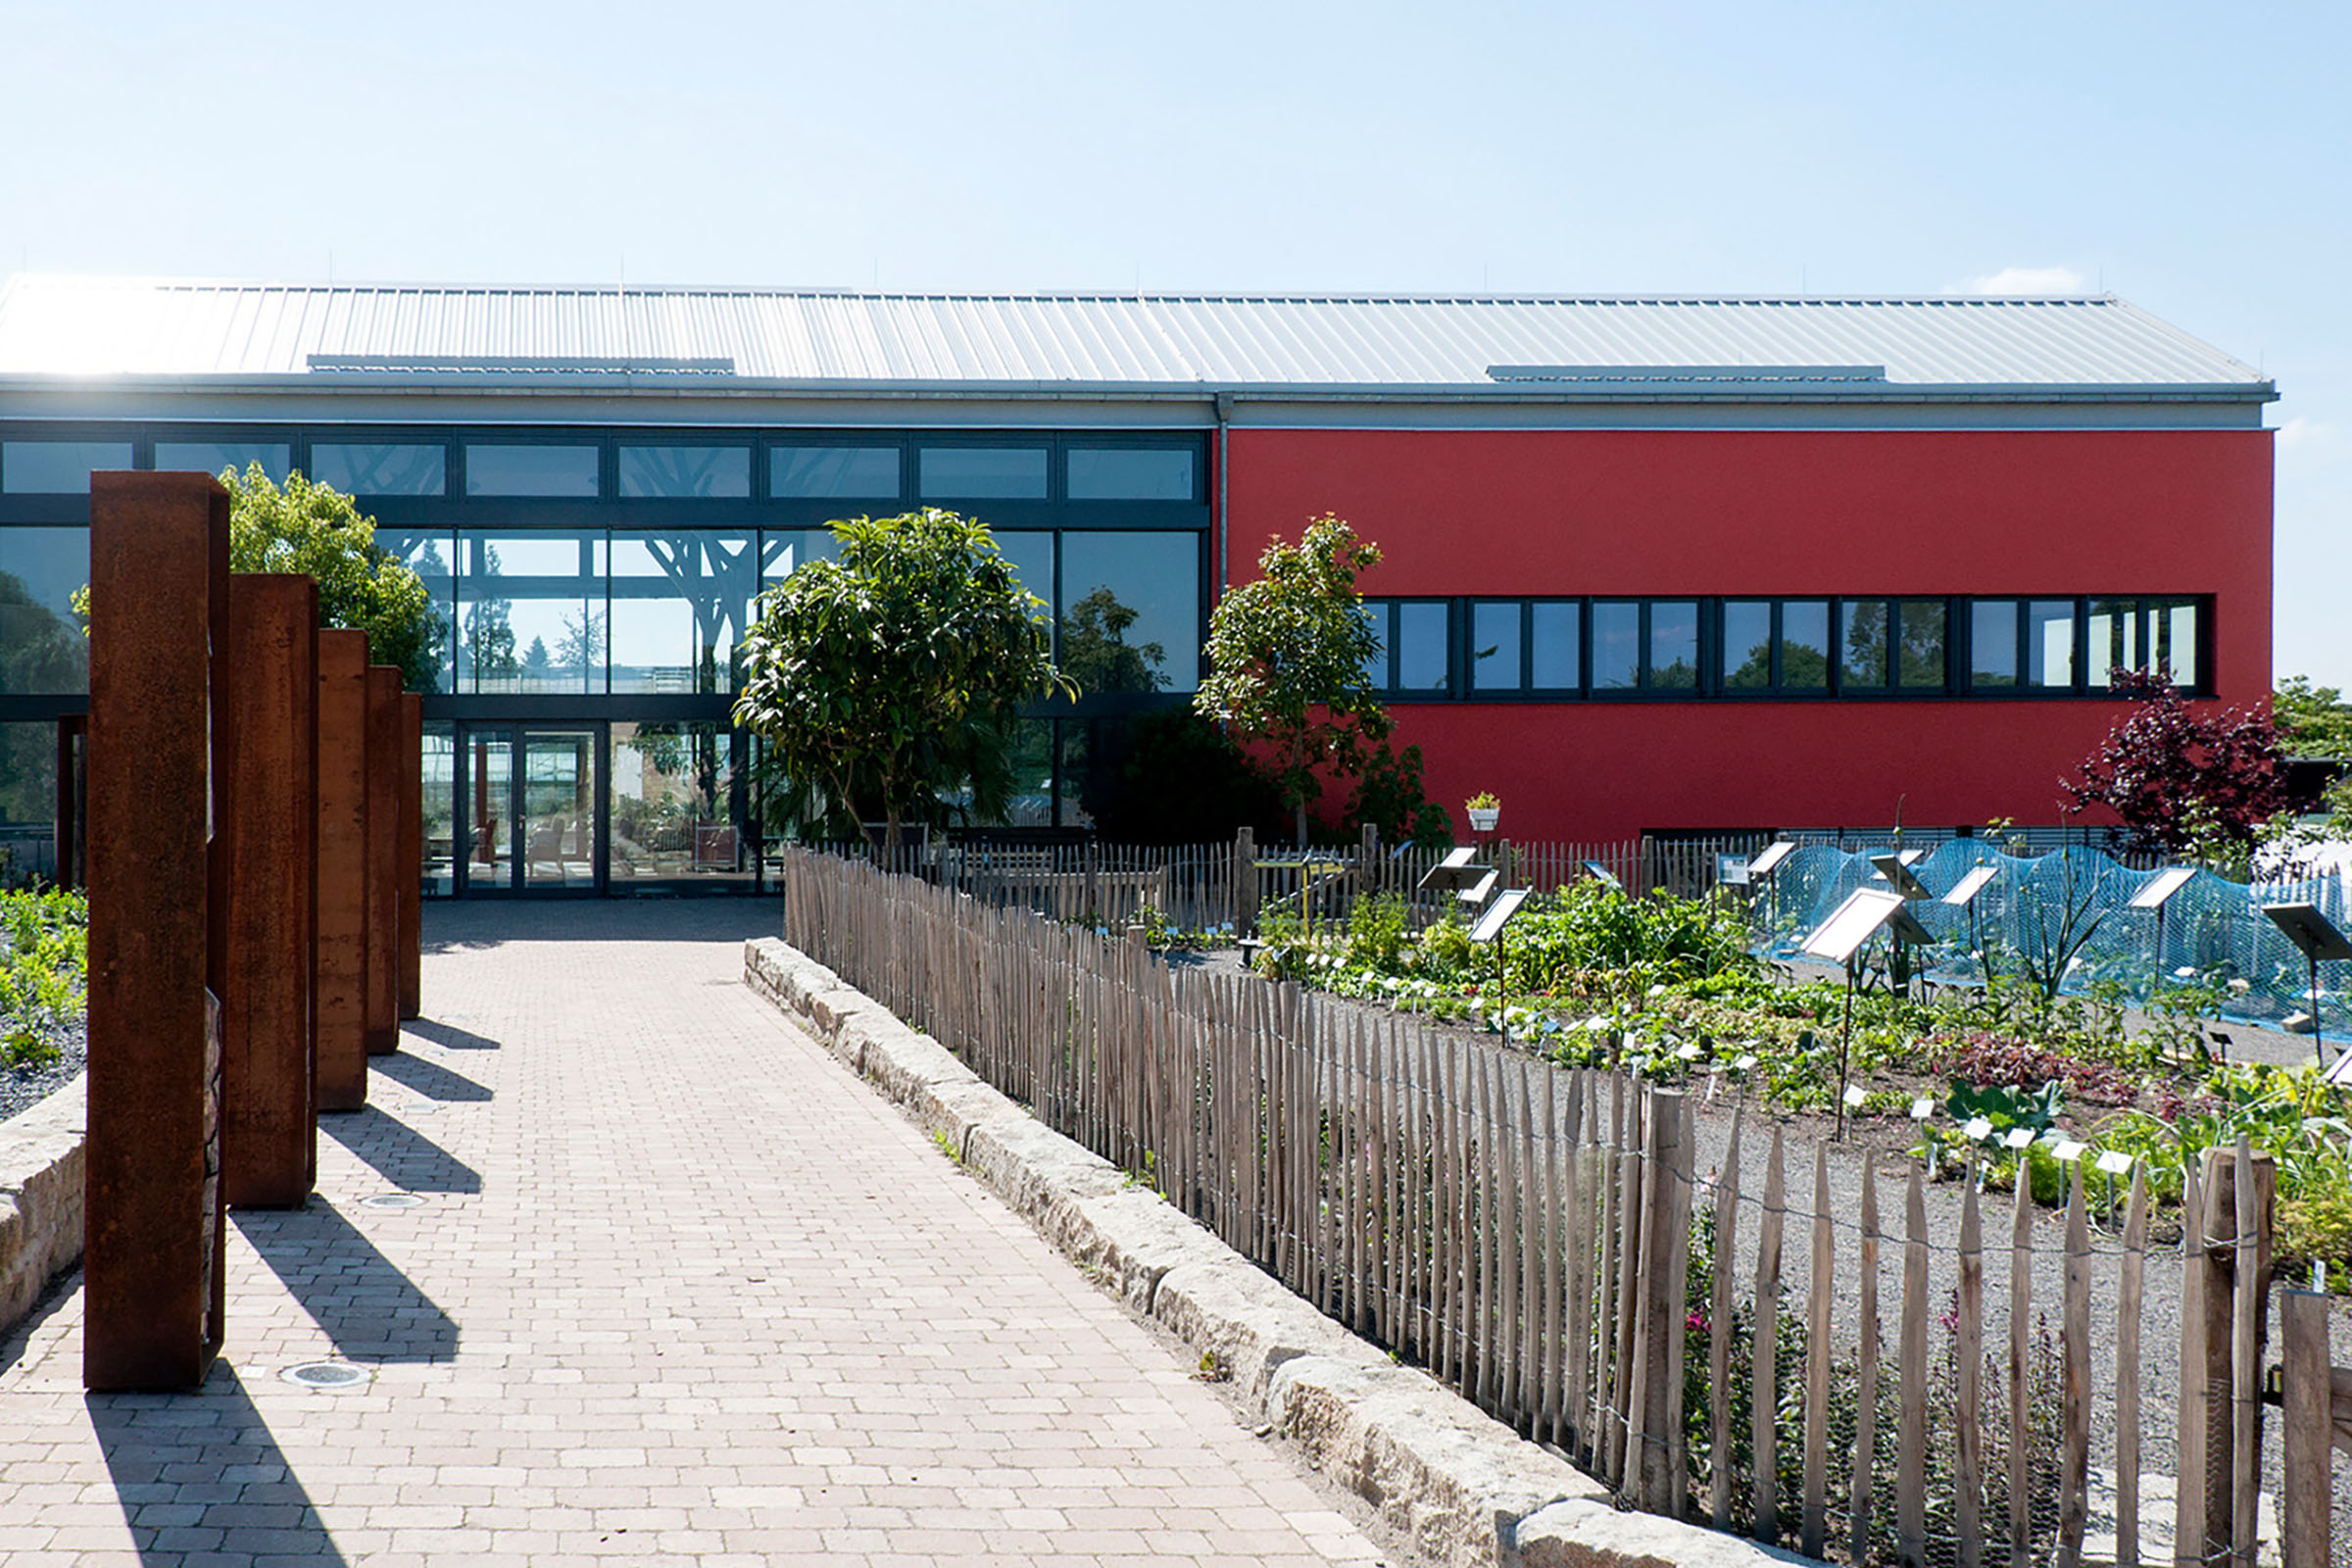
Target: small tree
point(894, 672)
point(319, 531)
point(1289, 655)
point(2182, 781)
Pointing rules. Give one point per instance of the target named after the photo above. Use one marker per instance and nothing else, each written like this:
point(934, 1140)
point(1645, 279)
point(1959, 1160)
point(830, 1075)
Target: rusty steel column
point(270, 1132)
point(153, 1233)
point(384, 792)
point(342, 999)
point(412, 856)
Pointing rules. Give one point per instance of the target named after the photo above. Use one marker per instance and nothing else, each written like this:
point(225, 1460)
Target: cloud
point(2302, 432)
point(2028, 281)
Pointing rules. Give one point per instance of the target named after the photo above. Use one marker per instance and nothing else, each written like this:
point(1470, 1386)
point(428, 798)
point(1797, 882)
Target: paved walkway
point(679, 1288)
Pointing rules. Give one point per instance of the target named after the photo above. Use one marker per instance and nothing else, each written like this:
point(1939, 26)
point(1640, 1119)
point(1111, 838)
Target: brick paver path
point(680, 1288)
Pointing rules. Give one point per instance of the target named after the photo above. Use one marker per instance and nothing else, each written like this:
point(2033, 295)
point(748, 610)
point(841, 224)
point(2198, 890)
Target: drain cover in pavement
point(393, 1200)
point(325, 1375)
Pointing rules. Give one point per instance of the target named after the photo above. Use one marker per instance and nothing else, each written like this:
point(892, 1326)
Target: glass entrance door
point(531, 796)
point(557, 801)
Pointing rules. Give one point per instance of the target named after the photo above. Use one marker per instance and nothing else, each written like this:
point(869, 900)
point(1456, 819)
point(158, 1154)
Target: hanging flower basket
point(1484, 817)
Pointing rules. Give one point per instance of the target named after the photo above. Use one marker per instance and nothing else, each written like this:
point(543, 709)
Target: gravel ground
point(21, 1089)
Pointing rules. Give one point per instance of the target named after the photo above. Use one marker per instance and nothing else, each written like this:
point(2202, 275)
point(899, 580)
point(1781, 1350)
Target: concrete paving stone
point(684, 1287)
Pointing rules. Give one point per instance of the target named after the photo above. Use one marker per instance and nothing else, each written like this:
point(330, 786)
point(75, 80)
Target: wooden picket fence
point(1525, 1233)
point(1200, 887)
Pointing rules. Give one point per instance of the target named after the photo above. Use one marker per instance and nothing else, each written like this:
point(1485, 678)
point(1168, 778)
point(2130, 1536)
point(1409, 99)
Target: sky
point(2189, 158)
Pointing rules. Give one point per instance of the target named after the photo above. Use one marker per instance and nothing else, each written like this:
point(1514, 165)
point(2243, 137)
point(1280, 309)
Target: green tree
point(2316, 721)
point(894, 674)
point(317, 530)
point(1288, 660)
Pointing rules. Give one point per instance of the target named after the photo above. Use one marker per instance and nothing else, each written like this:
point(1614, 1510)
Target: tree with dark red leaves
point(2182, 780)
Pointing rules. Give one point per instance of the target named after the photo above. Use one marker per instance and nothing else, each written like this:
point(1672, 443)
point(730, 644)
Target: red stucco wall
point(1810, 512)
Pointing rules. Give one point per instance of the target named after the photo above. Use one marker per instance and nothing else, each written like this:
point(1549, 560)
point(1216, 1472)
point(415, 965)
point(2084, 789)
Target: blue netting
point(2071, 910)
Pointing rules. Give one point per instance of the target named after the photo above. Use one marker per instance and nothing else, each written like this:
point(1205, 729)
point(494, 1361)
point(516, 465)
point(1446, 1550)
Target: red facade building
point(1651, 566)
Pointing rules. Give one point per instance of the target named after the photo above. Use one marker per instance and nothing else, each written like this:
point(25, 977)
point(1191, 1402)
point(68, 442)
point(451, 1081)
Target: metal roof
point(1697, 347)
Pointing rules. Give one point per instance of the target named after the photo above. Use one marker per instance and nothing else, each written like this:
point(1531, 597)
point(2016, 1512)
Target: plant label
point(2115, 1162)
point(2069, 1151)
point(1855, 1095)
point(1922, 1108)
point(1979, 1129)
point(2018, 1138)
point(1690, 1052)
point(1747, 1064)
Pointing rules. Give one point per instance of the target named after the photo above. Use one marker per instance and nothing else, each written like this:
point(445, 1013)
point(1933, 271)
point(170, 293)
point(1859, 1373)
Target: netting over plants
point(2063, 921)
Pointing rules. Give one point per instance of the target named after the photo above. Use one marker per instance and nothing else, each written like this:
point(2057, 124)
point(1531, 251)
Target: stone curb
point(41, 1171)
point(1463, 1487)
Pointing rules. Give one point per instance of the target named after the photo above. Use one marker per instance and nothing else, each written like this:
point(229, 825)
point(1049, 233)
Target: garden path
point(679, 1287)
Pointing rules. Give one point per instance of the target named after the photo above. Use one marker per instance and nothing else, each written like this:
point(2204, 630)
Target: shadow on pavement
point(200, 1479)
point(448, 1036)
point(428, 1078)
point(402, 1156)
point(354, 1294)
point(453, 925)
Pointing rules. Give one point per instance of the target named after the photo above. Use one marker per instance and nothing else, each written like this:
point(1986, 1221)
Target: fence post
point(2232, 1260)
point(2306, 1381)
point(1367, 861)
point(1665, 1272)
point(1244, 882)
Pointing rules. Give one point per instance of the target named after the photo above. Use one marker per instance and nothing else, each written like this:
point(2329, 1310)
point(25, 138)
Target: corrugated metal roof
point(104, 327)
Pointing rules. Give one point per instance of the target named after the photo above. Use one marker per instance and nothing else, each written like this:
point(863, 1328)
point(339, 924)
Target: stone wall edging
point(42, 1164)
point(1462, 1487)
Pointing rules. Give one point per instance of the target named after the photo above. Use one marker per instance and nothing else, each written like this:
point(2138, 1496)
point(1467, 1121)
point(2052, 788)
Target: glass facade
point(593, 587)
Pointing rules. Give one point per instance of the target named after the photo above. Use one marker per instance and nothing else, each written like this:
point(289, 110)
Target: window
point(381, 468)
point(833, 473)
point(1423, 663)
point(1616, 645)
point(57, 467)
point(1131, 610)
point(1130, 474)
point(2111, 633)
point(1919, 645)
point(531, 611)
point(1746, 658)
point(1494, 652)
point(2050, 644)
point(1556, 661)
point(42, 651)
point(1863, 647)
point(681, 601)
point(1993, 643)
point(697, 474)
point(429, 551)
point(532, 470)
point(1032, 557)
point(2172, 639)
point(1008, 474)
point(1805, 644)
point(211, 457)
point(1673, 665)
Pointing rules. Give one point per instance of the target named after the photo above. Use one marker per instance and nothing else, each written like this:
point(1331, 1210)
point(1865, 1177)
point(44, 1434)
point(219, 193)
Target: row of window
point(1812, 647)
point(833, 469)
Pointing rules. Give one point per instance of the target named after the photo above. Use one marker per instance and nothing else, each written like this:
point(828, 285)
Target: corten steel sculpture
point(384, 794)
point(342, 994)
point(412, 856)
point(270, 1136)
point(161, 750)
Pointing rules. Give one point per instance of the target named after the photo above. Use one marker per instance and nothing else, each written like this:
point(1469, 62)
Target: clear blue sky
point(2190, 158)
